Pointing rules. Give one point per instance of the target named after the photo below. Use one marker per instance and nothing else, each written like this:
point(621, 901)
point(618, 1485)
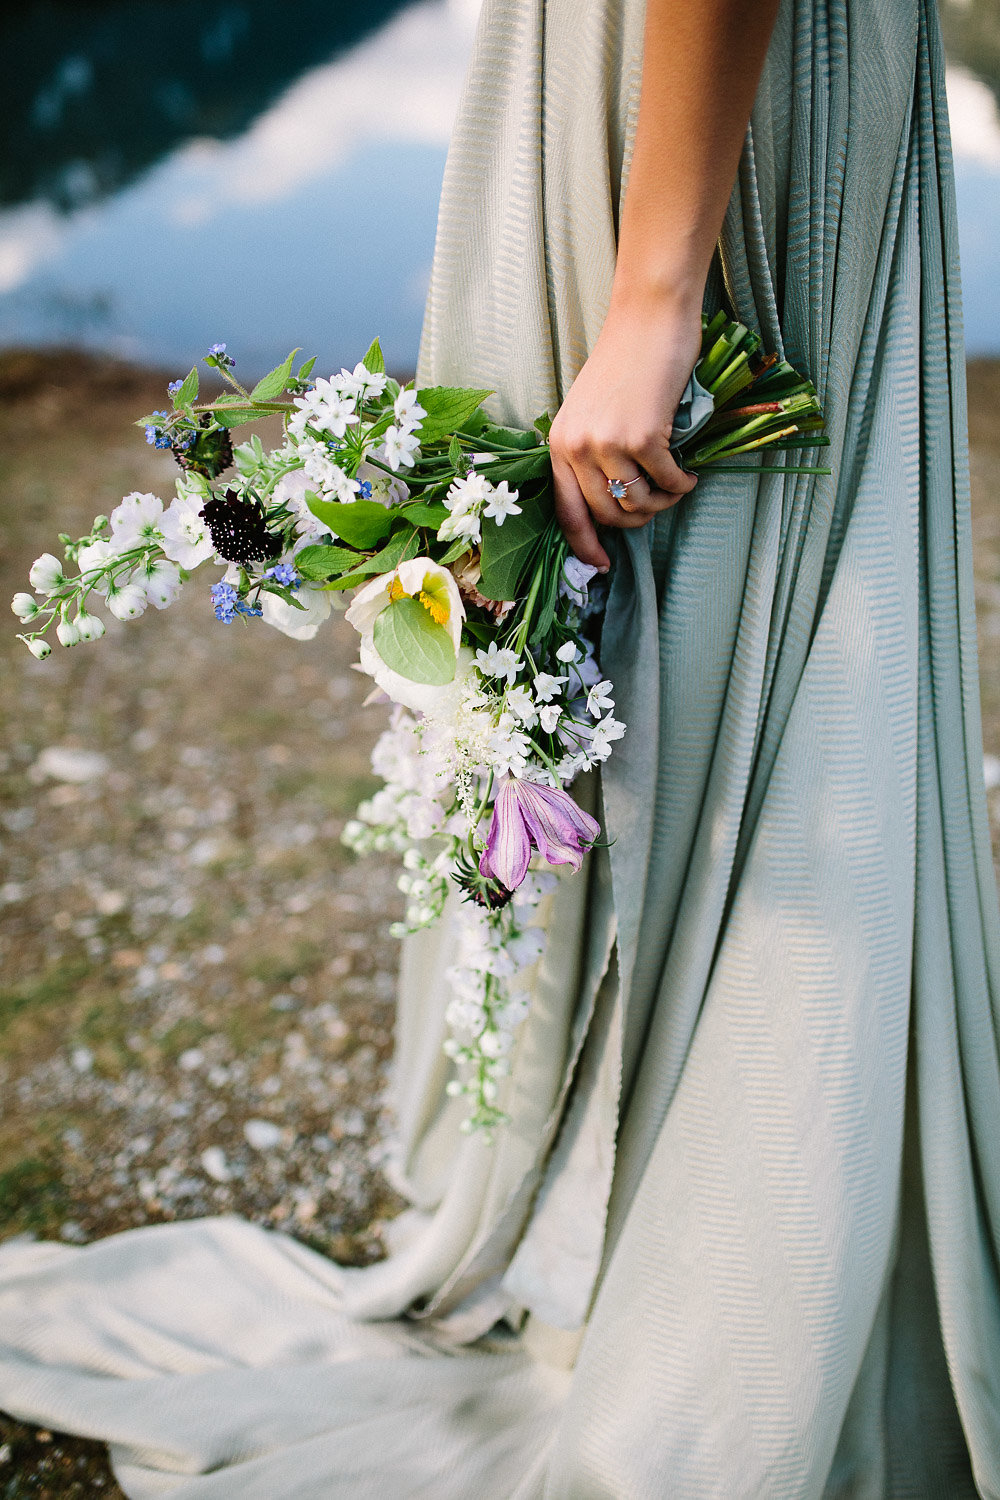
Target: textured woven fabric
point(748, 1207)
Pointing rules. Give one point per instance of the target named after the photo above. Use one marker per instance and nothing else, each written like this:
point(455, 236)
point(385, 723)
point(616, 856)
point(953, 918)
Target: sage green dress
point(742, 1235)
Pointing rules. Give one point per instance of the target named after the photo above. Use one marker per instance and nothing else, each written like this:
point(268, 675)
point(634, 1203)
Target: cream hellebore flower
point(423, 579)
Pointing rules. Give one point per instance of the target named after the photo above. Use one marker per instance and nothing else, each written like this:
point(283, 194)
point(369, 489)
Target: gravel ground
point(196, 980)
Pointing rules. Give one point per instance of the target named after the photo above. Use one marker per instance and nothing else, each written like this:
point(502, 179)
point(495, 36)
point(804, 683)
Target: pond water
point(179, 172)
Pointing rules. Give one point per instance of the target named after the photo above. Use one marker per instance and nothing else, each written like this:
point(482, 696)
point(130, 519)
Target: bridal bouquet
point(475, 622)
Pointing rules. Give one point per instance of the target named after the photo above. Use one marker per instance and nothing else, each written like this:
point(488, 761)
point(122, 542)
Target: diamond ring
point(619, 488)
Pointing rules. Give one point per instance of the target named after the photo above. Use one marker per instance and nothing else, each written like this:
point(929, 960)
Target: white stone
point(213, 1159)
point(262, 1135)
point(191, 1059)
point(82, 1059)
point(991, 771)
point(66, 763)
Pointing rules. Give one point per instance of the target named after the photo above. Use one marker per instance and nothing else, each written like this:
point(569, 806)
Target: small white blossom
point(461, 523)
point(162, 582)
point(68, 632)
point(409, 412)
point(466, 493)
point(604, 733)
point(360, 382)
point(501, 503)
point(39, 649)
point(548, 687)
point(521, 703)
point(399, 447)
point(186, 538)
point(136, 522)
point(498, 661)
point(127, 603)
point(91, 627)
point(46, 574)
point(567, 652)
point(598, 700)
point(24, 606)
point(548, 717)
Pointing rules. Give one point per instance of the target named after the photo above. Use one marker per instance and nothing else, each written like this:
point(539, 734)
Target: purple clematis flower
point(526, 816)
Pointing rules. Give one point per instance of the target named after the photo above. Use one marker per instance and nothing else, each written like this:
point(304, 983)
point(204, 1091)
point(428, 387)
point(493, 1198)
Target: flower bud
point(68, 632)
point(127, 603)
point(24, 606)
point(91, 627)
point(46, 574)
point(39, 649)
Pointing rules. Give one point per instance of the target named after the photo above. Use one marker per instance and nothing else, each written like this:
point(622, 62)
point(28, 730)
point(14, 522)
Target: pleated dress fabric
point(741, 1237)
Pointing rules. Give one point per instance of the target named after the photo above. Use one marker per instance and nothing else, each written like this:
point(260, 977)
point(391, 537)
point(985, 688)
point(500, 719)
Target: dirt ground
point(196, 979)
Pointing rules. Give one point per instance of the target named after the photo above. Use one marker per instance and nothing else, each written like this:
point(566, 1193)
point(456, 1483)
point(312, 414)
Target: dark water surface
point(173, 172)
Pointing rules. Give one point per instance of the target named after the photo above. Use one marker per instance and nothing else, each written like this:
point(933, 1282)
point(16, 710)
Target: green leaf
point(400, 547)
point(316, 564)
point(362, 524)
point(271, 385)
point(507, 550)
point(374, 360)
point(508, 437)
point(413, 644)
point(347, 581)
point(422, 514)
point(543, 424)
point(238, 416)
point(306, 368)
point(455, 453)
point(447, 408)
point(188, 391)
point(518, 471)
point(458, 546)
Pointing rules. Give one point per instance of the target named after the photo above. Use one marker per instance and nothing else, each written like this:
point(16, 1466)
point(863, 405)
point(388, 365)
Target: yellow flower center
point(433, 596)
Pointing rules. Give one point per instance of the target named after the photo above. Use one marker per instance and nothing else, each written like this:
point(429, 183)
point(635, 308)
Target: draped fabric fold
point(742, 1234)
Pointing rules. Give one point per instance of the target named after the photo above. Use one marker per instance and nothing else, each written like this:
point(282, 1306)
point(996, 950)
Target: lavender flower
point(527, 815)
point(284, 573)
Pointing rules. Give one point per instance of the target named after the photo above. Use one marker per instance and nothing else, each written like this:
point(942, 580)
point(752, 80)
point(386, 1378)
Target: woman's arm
point(701, 66)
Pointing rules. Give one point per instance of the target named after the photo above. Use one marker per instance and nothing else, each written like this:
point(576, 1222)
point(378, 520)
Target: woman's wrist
point(665, 294)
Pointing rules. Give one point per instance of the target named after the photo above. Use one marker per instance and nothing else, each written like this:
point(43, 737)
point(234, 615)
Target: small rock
point(213, 954)
point(191, 1059)
point(284, 1002)
point(991, 771)
point(12, 891)
point(17, 819)
point(66, 763)
point(110, 903)
point(213, 1159)
point(262, 1135)
point(73, 1139)
point(82, 1059)
point(73, 1233)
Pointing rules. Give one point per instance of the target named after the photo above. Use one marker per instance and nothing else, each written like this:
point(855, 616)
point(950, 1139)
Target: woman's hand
point(615, 423)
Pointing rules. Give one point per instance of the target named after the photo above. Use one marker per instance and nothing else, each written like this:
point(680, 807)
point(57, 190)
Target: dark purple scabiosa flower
point(238, 528)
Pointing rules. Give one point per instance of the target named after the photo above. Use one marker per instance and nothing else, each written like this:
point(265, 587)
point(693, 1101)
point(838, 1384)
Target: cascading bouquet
point(474, 620)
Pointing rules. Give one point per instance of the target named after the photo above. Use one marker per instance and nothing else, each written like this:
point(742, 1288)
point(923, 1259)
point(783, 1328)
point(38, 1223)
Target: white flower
point(299, 624)
point(91, 627)
point(498, 661)
point(467, 493)
point(502, 502)
point(39, 649)
point(567, 652)
point(46, 574)
point(608, 730)
point(326, 408)
point(576, 577)
point(399, 447)
point(290, 490)
point(436, 589)
point(386, 488)
point(521, 703)
point(460, 523)
point(548, 717)
point(127, 603)
point(136, 522)
point(92, 561)
point(68, 632)
point(186, 537)
point(548, 687)
point(360, 381)
point(598, 701)
point(24, 606)
point(409, 412)
point(162, 582)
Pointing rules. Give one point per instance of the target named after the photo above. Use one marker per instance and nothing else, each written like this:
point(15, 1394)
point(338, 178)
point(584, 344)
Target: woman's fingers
point(664, 470)
point(573, 515)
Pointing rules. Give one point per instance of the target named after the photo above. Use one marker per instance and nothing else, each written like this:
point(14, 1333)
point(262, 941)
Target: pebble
point(82, 1059)
point(262, 1135)
point(991, 771)
point(66, 763)
point(190, 1059)
point(213, 1159)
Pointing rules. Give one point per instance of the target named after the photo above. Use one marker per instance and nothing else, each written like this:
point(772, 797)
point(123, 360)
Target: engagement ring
point(618, 488)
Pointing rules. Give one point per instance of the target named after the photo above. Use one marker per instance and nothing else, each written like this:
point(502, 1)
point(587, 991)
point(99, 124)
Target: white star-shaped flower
point(501, 503)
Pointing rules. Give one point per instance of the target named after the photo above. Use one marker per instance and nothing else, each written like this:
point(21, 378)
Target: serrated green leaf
point(411, 643)
point(238, 416)
point(306, 368)
point(316, 564)
point(271, 385)
point(507, 550)
point(188, 390)
point(400, 547)
point(363, 524)
point(493, 434)
point(374, 359)
point(447, 408)
point(347, 581)
point(543, 424)
point(455, 453)
point(268, 586)
point(422, 514)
